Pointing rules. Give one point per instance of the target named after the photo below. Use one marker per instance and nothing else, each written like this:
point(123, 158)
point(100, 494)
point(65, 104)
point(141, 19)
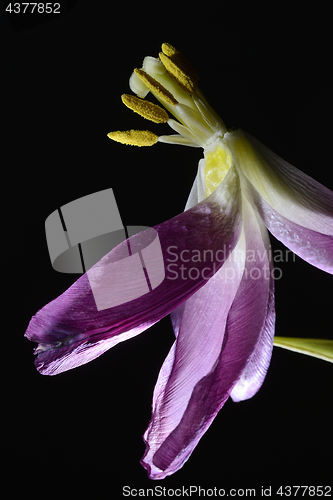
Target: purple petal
point(254, 374)
point(217, 330)
point(71, 331)
point(201, 332)
point(314, 247)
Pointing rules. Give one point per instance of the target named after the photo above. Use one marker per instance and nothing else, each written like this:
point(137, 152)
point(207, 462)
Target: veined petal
point(318, 348)
point(71, 330)
point(290, 192)
point(312, 246)
point(176, 427)
point(254, 374)
point(217, 331)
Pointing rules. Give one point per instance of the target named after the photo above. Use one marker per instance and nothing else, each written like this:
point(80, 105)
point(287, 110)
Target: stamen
point(186, 132)
point(134, 137)
point(154, 86)
point(179, 68)
point(177, 139)
point(169, 50)
point(146, 109)
point(182, 79)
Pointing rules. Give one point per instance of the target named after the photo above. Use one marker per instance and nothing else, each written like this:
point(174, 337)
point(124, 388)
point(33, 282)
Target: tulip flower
point(219, 274)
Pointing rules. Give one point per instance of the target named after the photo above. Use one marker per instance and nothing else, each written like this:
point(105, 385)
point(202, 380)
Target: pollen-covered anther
point(169, 50)
point(179, 68)
point(155, 87)
point(146, 109)
point(134, 137)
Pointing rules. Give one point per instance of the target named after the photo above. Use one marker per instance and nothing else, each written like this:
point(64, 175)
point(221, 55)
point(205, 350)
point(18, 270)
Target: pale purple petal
point(295, 208)
point(314, 247)
point(254, 374)
point(71, 331)
point(218, 331)
point(200, 325)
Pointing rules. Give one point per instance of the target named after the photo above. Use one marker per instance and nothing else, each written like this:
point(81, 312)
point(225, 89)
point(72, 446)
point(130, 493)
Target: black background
point(265, 67)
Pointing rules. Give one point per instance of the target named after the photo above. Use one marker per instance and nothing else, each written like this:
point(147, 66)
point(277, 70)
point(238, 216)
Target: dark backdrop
point(264, 66)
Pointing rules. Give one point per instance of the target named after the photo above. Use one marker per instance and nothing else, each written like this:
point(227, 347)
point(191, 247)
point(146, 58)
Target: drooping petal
point(71, 330)
point(314, 247)
point(217, 331)
point(200, 328)
point(318, 348)
point(296, 209)
point(255, 371)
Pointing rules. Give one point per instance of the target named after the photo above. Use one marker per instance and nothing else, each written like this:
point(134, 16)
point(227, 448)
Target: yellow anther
point(179, 68)
point(155, 87)
point(134, 137)
point(183, 80)
point(169, 50)
point(146, 109)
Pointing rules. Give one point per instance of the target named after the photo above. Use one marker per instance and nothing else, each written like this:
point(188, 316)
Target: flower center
point(174, 83)
point(218, 161)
